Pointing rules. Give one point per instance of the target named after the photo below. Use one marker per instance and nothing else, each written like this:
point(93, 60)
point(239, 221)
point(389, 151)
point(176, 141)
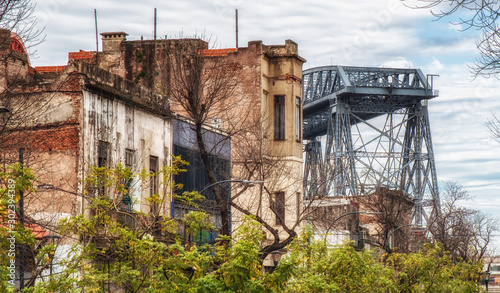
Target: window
point(279, 117)
point(298, 125)
point(279, 207)
point(129, 158)
point(103, 154)
point(153, 183)
point(102, 161)
point(129, 163)
point(298, 204)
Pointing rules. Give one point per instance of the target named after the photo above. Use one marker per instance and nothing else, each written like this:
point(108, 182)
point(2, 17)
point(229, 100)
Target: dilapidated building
point(116, 106)
point(335, 220)
point(68, 118)
point(262, 117)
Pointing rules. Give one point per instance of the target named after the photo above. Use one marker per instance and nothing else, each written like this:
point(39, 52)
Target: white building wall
point(124, 127)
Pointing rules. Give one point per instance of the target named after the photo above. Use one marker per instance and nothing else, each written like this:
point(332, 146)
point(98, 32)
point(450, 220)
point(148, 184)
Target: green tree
point(311, 266)
point(108, 255)
point(433, 270)
point(18, 244)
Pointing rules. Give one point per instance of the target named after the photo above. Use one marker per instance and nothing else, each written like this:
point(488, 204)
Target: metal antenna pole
point(21, 220)
point(236, 18)
point(155, 26)
point(96, 32)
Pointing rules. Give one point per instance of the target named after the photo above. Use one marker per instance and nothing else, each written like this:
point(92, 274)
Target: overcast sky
point(360, 33)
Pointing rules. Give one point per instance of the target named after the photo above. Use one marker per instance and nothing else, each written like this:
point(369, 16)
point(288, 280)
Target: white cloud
point(434, 66)
point(399, 62)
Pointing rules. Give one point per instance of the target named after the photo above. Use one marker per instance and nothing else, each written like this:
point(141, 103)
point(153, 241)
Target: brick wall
point(217, 52)
point(81, 55)
point(61, 138)
point(42, 69)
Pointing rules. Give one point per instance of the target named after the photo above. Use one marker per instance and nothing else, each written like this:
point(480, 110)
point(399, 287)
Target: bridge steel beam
point(375, 127)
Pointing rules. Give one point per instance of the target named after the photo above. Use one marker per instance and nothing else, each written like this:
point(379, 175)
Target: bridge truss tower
point(369, 127)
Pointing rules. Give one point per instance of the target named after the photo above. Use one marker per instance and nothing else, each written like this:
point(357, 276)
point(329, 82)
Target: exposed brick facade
point(64, 138)
point(51, 123)
point(42, 69)
point(81, 55)
point(217, 52)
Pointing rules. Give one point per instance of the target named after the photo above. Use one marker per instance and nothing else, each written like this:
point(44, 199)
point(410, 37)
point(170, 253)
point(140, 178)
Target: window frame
point(298, 119)
point(129, 163)
point(279, 204)
point(279, 117)
point(103, 154)
point(153, 180)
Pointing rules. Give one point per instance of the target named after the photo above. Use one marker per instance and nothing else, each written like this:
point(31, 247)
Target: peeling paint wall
point(124, 128)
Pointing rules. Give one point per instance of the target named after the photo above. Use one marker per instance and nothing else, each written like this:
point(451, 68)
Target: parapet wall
point(128, 90)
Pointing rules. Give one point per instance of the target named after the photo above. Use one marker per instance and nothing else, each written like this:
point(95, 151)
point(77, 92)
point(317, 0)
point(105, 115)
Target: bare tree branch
point(480, 15)
point(464, 232)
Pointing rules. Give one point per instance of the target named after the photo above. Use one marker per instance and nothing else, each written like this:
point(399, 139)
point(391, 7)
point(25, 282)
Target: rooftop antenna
point(154, 34)
point(96, 34)
point(236, 18)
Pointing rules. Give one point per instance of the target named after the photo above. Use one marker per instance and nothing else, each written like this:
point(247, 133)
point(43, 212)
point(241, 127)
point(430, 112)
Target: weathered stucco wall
point(124, 127)
point(269, 71)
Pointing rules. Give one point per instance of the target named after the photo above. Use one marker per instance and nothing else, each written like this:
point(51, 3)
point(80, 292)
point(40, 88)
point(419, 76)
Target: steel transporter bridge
point(366, 127)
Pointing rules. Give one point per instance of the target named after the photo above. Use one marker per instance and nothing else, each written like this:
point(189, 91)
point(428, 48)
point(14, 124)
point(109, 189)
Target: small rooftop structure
point(111, 41)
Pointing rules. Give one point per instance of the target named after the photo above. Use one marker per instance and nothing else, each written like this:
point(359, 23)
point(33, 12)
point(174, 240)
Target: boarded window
point(279, 207)
point(279, 117)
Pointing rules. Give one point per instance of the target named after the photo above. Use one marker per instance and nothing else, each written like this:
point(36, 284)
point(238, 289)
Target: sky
point(352, 33)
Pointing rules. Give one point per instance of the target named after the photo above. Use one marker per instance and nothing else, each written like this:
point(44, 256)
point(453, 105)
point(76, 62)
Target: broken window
point(279, 117)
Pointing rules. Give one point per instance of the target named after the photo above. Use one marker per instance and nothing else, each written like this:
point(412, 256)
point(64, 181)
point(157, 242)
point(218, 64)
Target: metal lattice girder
point(322, 86)
point(314, 171)
point(376, 129)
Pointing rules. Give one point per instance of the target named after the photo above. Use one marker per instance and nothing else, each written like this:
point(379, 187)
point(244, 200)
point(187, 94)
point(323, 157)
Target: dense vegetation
point(107, 255)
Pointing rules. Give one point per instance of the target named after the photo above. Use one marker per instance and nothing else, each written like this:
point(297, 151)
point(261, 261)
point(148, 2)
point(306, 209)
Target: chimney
point(111, 41)
point(5, 39)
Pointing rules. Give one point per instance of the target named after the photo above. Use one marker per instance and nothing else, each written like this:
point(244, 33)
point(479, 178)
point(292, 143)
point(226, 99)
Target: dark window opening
point(102, 161)
point(103, 154)
point(279, 117)
point(298, 125)
point(279, 207)
point(153, 183)
point(196, 178)
point(129, 163)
